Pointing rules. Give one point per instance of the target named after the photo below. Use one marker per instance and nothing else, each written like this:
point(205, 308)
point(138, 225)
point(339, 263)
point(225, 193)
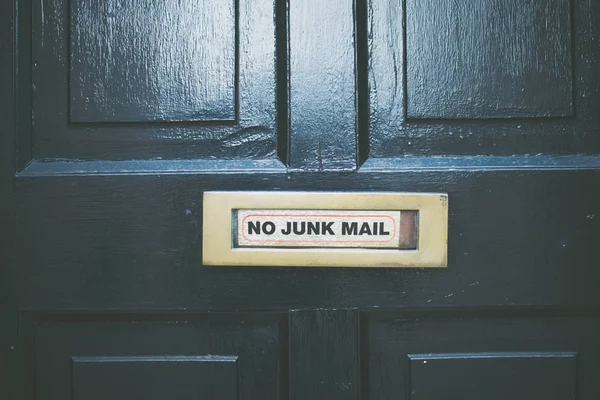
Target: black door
point(116, 116)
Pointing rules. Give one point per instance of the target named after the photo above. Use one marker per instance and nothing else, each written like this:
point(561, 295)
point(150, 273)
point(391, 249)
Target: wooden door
point(116, 116)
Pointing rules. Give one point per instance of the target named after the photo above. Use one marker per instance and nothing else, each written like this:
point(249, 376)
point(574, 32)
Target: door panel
point(487, 77)
point(322, 85)
point(496, 354)
point(160, 61)
point(108, 146)
point(316, 337)
point(120, 355)
point(499, 59)
point(148, 80)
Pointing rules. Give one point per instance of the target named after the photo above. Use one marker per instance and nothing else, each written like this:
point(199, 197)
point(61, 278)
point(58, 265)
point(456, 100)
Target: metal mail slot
point(325, 229)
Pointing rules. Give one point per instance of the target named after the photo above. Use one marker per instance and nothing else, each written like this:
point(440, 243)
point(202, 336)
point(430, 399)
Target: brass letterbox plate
point(325, 229)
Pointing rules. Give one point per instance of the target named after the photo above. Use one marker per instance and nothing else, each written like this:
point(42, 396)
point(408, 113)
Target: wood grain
point(157, 95)
point(102, 221)
point(452, 57)
point(147, 60)
point(515, 237)
point(220, 356)
point(337, 333)
point(322, 85)
point(470, 354)
point(488, 58)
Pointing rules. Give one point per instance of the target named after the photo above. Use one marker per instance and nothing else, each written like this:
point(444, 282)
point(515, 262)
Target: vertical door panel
point(148, 80)
point(322, 85)
point(316, 338)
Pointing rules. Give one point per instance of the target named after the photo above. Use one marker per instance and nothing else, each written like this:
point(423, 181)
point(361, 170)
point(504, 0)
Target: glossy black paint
point(102, 286)
point(529, 68)
point(338, 333)
point(536, 249)
point(488, 58)
point(322, 85)
point(110, 355)
point(117, 107)
point(493, 355)
point(146, 60)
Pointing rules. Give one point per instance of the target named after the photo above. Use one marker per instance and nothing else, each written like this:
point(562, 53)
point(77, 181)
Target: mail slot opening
point(369, 229)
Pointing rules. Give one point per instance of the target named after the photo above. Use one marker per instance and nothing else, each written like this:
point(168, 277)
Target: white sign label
point(318, 228)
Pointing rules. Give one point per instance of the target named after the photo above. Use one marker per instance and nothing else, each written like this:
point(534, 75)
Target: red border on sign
point(319, 215)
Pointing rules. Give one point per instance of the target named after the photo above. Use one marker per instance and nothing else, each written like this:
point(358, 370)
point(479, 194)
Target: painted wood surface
point(101, 260)
point(147, 60)
point(322, 85)
point(105, 99)
point(338, 333)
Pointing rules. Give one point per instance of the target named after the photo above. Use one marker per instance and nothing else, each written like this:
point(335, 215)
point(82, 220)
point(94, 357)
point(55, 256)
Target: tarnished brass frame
point(217, 248)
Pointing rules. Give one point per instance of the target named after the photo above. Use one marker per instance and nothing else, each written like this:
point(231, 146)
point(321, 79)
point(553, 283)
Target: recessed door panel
point(148, 80)
point(147, 60)
point(112, 355)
